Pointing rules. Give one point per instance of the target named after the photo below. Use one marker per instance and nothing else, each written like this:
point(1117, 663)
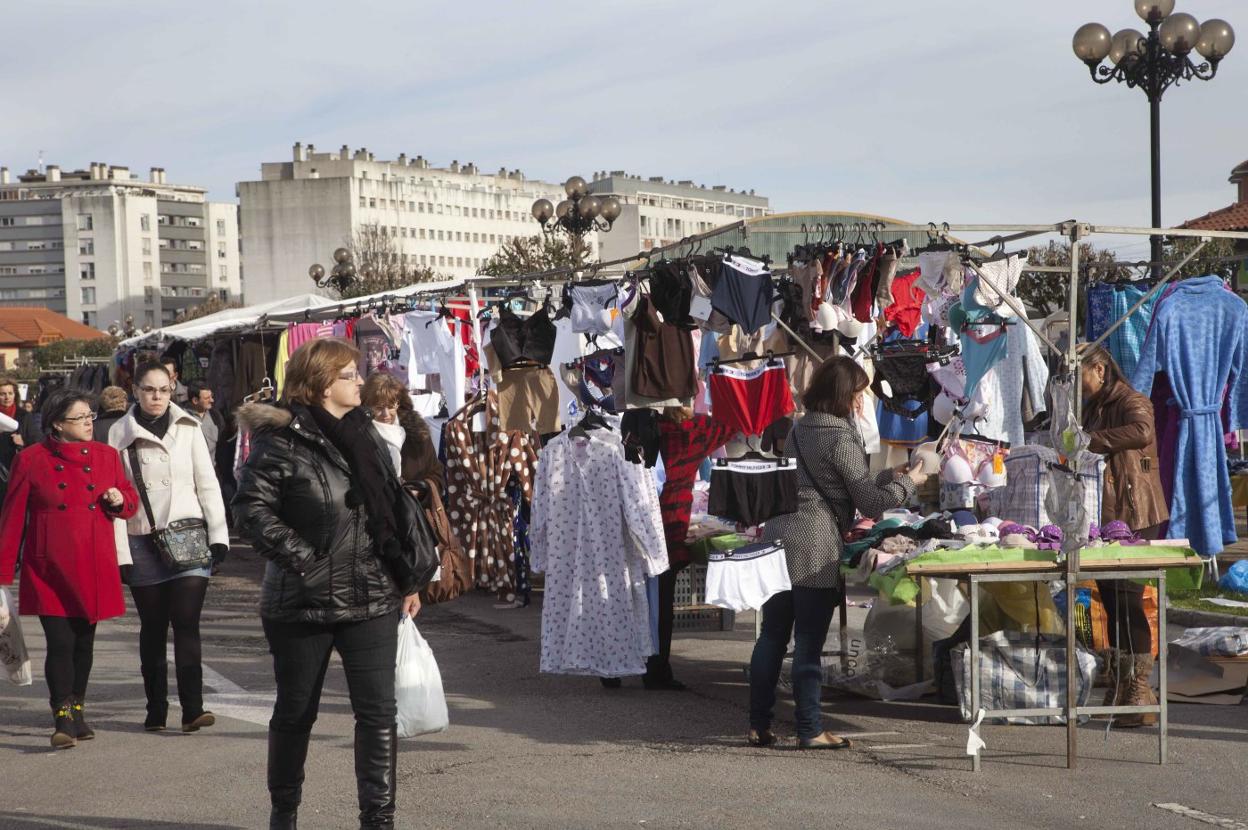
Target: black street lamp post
point(577, 215)
point(1153, 63)
point(342, 275)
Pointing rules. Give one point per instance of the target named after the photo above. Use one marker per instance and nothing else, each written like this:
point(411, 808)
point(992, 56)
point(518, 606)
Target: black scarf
point(350, 434)
point(156, 426)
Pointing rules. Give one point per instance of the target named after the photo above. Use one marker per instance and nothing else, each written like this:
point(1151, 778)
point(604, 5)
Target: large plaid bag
point(1223, 641)
point(1015, 674)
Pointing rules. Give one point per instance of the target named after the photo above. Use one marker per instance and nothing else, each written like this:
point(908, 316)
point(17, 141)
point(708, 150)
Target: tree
point(1048, 291)
point(530, 255)
point(210, 306)
point(1218, 257)
point(378, 266)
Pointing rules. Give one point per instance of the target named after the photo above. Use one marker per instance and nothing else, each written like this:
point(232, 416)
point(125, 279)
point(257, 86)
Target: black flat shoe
point(202, 720)
point(825, 740)
point(611, 682)
point(760, 737)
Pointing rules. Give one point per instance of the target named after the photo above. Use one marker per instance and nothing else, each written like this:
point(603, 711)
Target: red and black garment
point(684, 446)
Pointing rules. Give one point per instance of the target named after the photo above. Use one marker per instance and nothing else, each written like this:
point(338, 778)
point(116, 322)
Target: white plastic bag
point(418, 685)
point(13, 654)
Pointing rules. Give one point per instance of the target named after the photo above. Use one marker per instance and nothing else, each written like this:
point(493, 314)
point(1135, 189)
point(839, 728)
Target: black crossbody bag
point(183, 545)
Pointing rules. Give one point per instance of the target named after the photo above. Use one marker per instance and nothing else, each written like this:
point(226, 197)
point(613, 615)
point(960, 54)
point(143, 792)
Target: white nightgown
point(596, 532)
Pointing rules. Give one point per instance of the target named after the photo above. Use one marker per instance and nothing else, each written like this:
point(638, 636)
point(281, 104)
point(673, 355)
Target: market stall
point(611, 427)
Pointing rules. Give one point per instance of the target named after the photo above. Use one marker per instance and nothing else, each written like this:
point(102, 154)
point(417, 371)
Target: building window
point(7, 221)
point(192, 222)
point(422, 233)
point(372, 203)
point(420, 207)
point(422, 259)
point(220, 250)
point(220, 227)
point(85, 222)
point(145, 222)
point(8, 270)
point(403, 232)
point(88, 295)
point(149, 317)
point(87, 271)
point(411, 206)
point(223, 273)
point(149, 295)
point(441, 260)
point(147, 272)
point(86, 246)
point(363, 202)
point(147, 246)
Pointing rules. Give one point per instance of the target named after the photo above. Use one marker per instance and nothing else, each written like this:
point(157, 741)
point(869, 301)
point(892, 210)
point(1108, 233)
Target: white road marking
point(1198, 815)
point(52, 822)
point(232, 700)
point(865, 734)
point(878, 747)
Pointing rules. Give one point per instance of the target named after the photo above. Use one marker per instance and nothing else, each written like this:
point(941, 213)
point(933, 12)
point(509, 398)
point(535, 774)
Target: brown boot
point(1115, 689)
point(1139, 692)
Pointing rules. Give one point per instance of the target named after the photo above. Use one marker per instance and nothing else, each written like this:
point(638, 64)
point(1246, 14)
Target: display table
point(1096, 563)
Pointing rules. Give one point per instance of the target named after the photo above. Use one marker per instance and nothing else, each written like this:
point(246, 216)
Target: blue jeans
point(806, 614)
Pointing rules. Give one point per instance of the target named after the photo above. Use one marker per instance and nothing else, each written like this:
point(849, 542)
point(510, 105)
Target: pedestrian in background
point(112, 408)
point(405, 432)
point(180, 394)
point(317, 499)
point(27, 432)
point(199, 403)
point(179, 482)
point(63, 495)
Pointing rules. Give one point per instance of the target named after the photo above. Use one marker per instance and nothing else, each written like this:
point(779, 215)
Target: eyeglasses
point(156, 390)
point(80, 419)
point(349, 376)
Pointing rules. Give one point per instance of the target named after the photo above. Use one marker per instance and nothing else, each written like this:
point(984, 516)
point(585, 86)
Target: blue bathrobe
point(1199, 338)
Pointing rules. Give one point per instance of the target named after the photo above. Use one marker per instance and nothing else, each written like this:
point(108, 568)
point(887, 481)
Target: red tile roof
point(29, 327)
point(1231, 218)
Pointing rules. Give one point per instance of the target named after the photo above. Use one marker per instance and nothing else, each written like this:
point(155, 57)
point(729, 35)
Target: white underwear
point(747, 577)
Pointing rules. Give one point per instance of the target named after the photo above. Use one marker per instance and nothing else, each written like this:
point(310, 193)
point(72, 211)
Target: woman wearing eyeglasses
point(63, 495)
point(166, 457)
point(321, 501)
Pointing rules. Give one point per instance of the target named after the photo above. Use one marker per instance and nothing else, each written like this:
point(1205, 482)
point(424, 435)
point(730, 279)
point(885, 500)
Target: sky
point(959, 111)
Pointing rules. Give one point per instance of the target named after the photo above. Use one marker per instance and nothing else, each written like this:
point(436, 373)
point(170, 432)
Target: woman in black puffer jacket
point(316, 492)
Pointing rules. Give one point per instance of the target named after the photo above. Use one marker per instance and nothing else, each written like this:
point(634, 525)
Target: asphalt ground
point(528, 750)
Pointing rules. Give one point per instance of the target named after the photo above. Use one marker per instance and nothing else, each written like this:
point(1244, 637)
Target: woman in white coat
point(179, 482)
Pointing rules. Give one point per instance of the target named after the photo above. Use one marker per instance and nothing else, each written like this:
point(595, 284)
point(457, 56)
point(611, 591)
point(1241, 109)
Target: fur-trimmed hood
point(257, 416)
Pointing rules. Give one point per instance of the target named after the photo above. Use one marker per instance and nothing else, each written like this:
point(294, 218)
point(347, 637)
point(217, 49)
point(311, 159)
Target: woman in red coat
point(63, 496)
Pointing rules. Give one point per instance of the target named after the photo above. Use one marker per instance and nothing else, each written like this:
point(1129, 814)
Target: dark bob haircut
point(57, 405)
point(143, 369)
point(834, 386)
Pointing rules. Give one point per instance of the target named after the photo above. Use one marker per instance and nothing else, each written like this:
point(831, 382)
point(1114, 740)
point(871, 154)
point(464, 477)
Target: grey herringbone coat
point(832, 452)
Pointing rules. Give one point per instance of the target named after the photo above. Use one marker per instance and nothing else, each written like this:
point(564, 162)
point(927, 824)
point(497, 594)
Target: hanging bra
point(957, 469)
point(516, 340)
point(592, 306)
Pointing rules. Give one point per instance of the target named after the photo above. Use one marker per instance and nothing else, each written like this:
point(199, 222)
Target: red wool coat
point(69, 553)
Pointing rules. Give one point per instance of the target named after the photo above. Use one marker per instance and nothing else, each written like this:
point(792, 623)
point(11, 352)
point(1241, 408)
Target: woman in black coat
point(315, 497)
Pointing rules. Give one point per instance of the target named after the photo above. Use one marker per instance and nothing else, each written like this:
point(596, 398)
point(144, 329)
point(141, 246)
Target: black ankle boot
point(81, 729)
point(156, 688)
point(64, 733)
point(287, 753)
point(376, 756)
point(191, 698)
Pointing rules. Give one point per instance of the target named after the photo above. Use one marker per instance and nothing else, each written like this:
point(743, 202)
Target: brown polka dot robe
point(478, 469)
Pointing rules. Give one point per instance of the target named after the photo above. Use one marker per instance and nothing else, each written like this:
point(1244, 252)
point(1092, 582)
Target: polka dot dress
point(479, 468)
point(597, 532)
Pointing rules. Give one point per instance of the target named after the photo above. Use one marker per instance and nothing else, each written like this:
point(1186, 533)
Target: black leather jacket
point(291, 506)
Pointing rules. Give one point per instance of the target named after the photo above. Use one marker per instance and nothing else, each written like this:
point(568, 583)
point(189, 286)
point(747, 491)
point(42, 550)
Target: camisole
point(516, 340)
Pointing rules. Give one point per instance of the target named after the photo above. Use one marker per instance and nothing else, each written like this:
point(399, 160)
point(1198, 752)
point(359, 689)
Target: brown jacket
point(1120, 422)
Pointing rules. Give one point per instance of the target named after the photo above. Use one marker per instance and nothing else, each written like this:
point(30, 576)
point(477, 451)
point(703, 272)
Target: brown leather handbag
point(456, 575)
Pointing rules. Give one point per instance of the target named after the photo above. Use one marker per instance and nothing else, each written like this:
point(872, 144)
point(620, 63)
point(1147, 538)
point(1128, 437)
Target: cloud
point(959, 111)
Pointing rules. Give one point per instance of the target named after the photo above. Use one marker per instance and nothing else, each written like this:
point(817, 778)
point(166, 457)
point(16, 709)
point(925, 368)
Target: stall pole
point(476, 337)
point(1163, 654)
point(976, 705)
point(1070, 543)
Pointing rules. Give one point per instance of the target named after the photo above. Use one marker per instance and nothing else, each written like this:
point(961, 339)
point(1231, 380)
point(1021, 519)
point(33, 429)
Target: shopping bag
point(418, 685)
point(13, 654)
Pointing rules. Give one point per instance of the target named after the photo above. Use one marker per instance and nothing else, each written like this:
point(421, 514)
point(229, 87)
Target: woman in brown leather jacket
point(1119, 421)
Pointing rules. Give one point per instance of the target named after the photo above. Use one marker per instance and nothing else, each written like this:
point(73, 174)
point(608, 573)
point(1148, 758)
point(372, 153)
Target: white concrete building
point(450, 219)
point(656, 212)
point(99, 245)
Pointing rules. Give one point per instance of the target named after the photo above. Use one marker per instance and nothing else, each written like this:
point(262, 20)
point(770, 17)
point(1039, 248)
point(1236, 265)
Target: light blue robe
point(1199, 338)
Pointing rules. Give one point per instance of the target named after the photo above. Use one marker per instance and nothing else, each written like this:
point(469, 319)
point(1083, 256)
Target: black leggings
point(71, 650)
point(177, 602)
point(1124, 608)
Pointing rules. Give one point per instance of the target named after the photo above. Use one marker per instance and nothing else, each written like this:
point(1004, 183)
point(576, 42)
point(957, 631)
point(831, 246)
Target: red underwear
point(750, 400)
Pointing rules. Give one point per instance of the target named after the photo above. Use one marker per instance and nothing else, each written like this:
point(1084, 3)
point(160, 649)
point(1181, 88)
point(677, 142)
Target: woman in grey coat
point(834, 481)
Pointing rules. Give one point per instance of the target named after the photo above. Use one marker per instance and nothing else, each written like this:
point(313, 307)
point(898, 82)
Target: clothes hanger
point(770, 356)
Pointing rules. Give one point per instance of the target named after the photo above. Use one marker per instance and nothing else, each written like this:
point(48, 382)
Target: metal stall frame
point(1075, 232)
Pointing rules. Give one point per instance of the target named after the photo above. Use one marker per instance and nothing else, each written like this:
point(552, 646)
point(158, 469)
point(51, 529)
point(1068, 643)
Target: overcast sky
point(958, 111)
